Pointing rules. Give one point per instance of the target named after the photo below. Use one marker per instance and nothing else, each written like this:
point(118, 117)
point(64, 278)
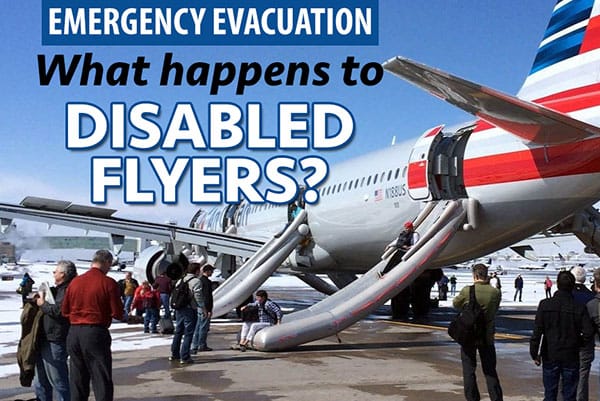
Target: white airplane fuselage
point(521, 190)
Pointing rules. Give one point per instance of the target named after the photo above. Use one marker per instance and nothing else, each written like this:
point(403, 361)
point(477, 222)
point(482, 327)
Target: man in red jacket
point(91, 302)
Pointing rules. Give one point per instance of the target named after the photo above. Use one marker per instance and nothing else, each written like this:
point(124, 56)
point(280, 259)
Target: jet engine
point(153, 261)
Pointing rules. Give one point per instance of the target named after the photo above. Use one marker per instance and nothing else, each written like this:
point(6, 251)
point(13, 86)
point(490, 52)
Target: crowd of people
point(71, 345)
point(65, 347)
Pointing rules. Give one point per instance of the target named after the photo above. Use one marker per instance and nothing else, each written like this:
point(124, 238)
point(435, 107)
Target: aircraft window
point(344, 188)
point(375, 178)
point(382, 176)
point(404, 171)
point(356, 183)
point(339, 187)
point(397, 173)
point(389, 175)
point(328, 190)
point(362, 181)
point(369, 181)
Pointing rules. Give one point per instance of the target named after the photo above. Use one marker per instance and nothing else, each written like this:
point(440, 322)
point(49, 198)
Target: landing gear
point(417, 295)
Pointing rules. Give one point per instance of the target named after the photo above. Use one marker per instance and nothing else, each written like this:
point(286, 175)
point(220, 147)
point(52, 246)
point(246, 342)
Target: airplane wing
point(529, 121)
point(93, 218)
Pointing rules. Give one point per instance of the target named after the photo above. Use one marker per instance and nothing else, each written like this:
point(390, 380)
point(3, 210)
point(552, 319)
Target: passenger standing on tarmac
point(582, 295)
point(148, 300)
point(403, 243)
point(593, 306)
point(25, 287)
point(548, 287)
point(443, 287)
point(518, 288)
point(561, 326)
point(453, 281)
point(186, 318)
point(489, 299)
point(164, 285)
point(51, 368)
point(127, 286)
point(204, 311)
point(91, 302)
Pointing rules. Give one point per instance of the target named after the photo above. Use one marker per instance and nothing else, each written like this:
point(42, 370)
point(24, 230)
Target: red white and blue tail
point(568, 57)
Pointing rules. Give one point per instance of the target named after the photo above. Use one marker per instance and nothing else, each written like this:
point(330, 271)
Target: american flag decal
point(378, 195)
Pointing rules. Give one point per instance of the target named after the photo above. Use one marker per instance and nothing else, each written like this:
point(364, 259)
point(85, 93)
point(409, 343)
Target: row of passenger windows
point(360, 182)
point(345, 186)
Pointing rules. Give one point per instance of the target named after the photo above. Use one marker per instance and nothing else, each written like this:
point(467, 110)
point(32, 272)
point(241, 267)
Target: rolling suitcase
point(165, 326)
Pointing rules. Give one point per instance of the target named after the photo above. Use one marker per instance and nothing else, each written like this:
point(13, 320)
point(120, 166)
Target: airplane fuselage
point(521, 190)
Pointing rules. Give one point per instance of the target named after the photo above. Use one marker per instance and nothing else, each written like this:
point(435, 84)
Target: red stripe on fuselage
point(557, 161)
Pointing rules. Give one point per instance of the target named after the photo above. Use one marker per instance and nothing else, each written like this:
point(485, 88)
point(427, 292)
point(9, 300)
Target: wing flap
point(530, 121)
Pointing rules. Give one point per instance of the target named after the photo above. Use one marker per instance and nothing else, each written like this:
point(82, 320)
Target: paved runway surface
point(377, 359)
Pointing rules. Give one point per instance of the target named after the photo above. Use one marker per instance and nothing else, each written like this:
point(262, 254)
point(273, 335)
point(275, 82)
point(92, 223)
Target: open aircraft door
point(420, 163)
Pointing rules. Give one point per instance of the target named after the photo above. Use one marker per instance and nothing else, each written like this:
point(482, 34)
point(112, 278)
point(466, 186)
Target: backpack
point(250, 313)
point(469, 325)
point(181, 295)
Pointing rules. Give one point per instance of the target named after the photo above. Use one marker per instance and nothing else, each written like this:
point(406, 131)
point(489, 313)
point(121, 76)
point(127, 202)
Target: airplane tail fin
point(568, 58)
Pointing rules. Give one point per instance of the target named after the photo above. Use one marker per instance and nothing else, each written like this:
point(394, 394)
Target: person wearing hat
point(405, 240)
point(204, 311)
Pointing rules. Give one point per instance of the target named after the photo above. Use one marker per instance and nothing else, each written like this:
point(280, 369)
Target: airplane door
point(420, 162)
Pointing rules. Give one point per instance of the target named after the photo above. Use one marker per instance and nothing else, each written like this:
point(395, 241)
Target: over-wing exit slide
point(363, 296)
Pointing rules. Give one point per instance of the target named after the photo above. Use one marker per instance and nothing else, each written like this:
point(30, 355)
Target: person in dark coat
point(402, 244)
point(561, 327)
point(51, 369)
point(25, 287)
point(518, 288)
point(164, 285)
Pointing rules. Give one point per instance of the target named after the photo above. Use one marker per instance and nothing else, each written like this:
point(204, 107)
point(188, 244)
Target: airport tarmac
point(377, 359)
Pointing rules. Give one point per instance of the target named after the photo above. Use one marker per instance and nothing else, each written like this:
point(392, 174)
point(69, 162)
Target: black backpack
point(181, 296)
point(469, 325)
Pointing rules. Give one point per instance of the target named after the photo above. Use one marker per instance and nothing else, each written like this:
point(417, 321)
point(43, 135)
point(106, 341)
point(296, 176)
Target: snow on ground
point(126, 337)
